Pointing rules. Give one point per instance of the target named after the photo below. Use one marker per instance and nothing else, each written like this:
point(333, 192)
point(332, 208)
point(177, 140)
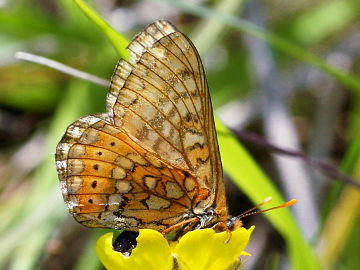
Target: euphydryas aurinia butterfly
point(152, 160)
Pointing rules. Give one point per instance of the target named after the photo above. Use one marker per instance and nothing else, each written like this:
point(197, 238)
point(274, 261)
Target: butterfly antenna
point(254, 210)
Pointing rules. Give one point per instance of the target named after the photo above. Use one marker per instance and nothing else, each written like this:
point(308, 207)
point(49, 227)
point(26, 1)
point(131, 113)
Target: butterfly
point(152, 160)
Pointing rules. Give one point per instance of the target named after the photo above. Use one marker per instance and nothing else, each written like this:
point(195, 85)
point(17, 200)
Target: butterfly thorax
point(209, 218)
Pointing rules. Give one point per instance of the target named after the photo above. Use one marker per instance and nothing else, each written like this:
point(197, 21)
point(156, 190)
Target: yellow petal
point(152, 253)
point(206, 250)
point(244, 253)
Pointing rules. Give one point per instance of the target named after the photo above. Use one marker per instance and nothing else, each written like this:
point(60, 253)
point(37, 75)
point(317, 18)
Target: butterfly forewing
point(153, 157)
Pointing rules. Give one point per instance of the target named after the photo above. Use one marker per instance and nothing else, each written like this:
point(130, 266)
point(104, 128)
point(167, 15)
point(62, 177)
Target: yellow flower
point(197, 250)
point(152, 253)
point(205, 249)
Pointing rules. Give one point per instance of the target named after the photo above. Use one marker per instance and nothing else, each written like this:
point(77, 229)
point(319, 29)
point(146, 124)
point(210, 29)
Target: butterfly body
point(152, 160)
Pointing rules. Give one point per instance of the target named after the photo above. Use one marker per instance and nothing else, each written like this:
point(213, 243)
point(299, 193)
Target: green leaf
point(244, 171)
point(117, 40)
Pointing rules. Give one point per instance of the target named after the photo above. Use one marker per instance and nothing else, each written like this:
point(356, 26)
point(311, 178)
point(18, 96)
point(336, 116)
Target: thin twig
point(61, 67)
point(327, 169)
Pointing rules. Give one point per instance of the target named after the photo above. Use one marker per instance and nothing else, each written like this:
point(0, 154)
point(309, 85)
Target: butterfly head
point(233, 223)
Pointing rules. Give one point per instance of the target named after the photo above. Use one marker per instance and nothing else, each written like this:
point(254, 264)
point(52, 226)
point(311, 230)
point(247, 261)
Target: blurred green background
point(285, 70)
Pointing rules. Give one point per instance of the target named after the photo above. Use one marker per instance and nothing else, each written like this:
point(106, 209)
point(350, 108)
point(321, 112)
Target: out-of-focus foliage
point(38, 103)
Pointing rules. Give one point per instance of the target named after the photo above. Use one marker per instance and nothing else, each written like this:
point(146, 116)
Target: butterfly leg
point(221, 227)
point(192, 221)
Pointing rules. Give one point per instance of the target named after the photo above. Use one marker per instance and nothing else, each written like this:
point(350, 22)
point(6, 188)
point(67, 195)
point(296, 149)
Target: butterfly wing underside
point(154, 155)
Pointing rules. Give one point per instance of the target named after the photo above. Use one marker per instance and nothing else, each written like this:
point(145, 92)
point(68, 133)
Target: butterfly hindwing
point(109, 180)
